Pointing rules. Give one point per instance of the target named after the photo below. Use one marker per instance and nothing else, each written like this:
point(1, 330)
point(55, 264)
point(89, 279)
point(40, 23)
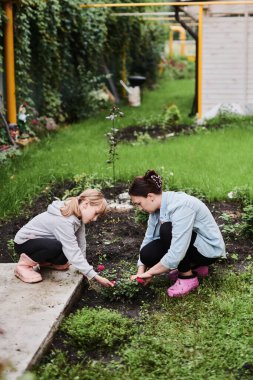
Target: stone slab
point(31, 313)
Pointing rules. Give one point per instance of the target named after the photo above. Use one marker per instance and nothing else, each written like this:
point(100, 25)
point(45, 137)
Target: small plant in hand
point(113, 140)
point(123, 289)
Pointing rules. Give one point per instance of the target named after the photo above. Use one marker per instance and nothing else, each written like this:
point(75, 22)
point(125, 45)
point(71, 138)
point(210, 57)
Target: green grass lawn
point(206, 335)
point(213, 162)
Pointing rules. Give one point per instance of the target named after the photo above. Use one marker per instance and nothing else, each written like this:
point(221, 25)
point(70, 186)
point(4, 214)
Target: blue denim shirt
point(187, 214)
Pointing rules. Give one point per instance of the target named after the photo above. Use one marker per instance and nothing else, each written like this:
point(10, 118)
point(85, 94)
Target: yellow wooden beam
point(200, 46)
point(170, 3)
point(10, 65)
point(165, 18)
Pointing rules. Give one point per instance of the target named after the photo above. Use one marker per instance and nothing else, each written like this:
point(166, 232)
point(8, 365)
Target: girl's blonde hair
point(95, 198)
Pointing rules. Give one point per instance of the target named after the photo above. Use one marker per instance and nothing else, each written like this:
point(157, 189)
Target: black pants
point(42, 250)
point(153, 252)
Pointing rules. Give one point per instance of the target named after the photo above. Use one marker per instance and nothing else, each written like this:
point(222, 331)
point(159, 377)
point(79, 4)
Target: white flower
point(111, 117)
point(171, 174)
point(231, 195)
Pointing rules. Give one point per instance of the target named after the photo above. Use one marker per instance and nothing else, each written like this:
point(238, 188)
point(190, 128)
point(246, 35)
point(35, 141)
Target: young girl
point(56, 238)
point(182, 235)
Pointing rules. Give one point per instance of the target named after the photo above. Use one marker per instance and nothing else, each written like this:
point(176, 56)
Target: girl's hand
point(133, 277)
point(104, 282)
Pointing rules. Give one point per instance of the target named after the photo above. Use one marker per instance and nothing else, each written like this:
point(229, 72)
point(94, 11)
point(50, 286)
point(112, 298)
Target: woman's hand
point(103, 281)
point(141, 270)
point(145, 277)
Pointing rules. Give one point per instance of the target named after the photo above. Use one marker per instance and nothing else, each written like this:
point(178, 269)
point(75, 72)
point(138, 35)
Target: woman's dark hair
point(151, 182)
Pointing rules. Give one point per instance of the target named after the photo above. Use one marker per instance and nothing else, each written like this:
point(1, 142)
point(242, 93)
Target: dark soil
point(132, 132)
point(156, 131)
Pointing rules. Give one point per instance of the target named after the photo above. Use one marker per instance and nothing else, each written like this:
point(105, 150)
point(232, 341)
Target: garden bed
point(116, 235)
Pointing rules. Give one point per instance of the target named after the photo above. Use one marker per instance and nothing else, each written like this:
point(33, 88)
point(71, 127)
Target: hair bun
point(151, 175)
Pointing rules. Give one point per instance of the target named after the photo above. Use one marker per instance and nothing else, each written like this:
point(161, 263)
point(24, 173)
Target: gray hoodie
point(70, 231)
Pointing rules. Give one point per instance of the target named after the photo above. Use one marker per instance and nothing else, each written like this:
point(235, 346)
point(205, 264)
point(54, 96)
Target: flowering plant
point(112, 138)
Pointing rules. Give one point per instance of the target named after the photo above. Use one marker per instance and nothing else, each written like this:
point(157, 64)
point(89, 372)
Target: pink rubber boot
point(199, 271)
point(183, 286)
point(55, 266)
point(24, 270)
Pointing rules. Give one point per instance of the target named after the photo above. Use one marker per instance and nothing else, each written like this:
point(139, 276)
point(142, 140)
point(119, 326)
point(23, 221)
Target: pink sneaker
point(183, 286)
point(199, 271)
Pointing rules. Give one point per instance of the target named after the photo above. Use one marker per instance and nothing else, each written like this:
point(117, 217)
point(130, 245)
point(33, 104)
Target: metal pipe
point(195, 36)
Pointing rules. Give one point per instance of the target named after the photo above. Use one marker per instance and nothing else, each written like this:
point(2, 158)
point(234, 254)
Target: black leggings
point(42, 250)
point(153, 252)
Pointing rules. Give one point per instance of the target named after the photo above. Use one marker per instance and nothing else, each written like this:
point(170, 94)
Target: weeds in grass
point(172, 116)
point(14, 256)
point(234, 229)
point(86, 181)
point(247, 218)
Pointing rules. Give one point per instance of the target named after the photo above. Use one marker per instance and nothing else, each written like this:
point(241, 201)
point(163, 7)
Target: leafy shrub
point(240, 194)
point(98, 328)
point(9, 153)
point(172, 116)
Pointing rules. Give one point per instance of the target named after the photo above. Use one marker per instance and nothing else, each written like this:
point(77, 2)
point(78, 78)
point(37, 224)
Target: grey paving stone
point(31, 313)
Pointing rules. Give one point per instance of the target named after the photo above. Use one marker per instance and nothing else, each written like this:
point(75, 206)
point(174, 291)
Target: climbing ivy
point(61, 51)
point(2, 21)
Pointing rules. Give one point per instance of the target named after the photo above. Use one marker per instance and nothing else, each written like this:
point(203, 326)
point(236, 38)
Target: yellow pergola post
point(10, 65)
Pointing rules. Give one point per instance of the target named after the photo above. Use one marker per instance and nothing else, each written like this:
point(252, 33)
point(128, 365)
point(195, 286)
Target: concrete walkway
point(31, 313)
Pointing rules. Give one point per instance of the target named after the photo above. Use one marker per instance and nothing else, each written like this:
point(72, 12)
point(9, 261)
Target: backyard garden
point(131, 331)
point(80, 141)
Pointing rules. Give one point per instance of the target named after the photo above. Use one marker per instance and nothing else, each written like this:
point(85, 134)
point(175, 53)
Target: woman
point(181, 236)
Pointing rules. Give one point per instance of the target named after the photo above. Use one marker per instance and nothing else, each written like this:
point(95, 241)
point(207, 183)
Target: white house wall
point(250, 60)
point(227, 61)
